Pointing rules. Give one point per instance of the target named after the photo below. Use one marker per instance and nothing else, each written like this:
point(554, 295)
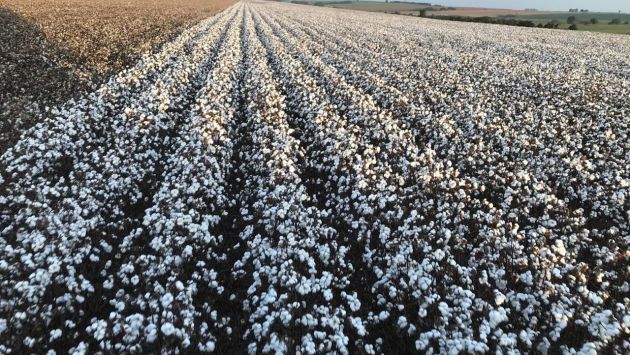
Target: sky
point(564, 5)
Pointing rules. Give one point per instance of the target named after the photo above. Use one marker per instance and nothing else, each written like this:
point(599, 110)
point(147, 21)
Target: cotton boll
point(499, 298)
point(497, 317)
point(402, 322)
point(559, 248)
point(167, 329)
point(150, 332)
point(166, 300)
point(328, 296)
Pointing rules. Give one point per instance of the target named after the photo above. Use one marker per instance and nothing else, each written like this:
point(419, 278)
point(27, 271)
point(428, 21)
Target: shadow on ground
point(34, 73)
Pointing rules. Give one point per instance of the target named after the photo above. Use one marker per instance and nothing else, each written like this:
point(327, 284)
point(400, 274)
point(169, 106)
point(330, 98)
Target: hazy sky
point(593, 5)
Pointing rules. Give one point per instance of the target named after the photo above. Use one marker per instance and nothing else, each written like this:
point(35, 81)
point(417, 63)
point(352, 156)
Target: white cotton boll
point(80, 349)
point(303, 288)
point(383, 315)
point(594, 298)
point(150, 332)
point(527, 337)
point(210, 345)
point(499, 298)
point(99, 328)
point(508, 341)
point(358, 325)
point(285, 317)
point(497, 317)
point(424, 282)
point(439, 254)
point(588, 349)
point(54, 334)
point(559, 248)
point(447, 233)
point(308, 346)
point(29, 342)
point(166, 300)
point(402, 322)
point(328, 296)
point(602, 327)
point(188, 251)
point(526, 278)
point(167, 329)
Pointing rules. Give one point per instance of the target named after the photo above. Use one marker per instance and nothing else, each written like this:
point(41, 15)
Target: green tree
point(571, 20)
point(573, 27)
point(594, 21)
point(615, 21)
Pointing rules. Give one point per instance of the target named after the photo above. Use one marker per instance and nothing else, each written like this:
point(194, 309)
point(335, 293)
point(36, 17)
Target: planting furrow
point(293, 269)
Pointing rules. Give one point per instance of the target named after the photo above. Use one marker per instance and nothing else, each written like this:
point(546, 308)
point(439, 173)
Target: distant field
point(583, 21)
point(480, 12)
point(619, 29)
point(437, 10)
point(380, 6)
point(399, 8)
point(562, 16)
point(538, 17)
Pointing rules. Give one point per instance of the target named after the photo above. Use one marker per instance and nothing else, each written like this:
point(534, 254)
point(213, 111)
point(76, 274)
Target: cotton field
point(293, 179)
